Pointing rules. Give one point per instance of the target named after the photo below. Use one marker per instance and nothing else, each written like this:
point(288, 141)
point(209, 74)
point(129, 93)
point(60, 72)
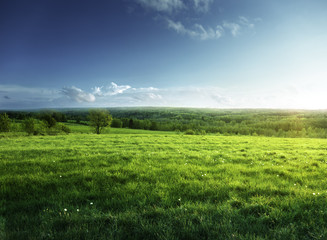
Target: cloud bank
point(115, 95)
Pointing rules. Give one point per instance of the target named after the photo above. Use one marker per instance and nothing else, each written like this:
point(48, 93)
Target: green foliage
point(99, 119)
point(49, 120)
point(37, 127)
point(278, 123)
point(4, 123)
point(202, 132)
point(116, 123)
point(42, 128)
point(63, 128)
point(162, 186)
point(154, 126)
point(29, 126)
point(189, 132)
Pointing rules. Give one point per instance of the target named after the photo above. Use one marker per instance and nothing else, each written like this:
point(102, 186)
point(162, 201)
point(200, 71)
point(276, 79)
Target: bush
point(189, 132)
point(49, 120)
point(63, 128)
point(29, 126)
point(4, 123)
point(41, 128)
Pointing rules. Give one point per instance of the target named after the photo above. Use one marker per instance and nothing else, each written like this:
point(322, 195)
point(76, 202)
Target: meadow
point(136, 184)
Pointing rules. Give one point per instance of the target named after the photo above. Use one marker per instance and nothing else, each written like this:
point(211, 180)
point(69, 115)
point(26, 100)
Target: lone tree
point(99, 119)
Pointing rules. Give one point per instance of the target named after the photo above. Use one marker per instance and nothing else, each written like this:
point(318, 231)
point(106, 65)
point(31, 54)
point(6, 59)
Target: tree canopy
point(99, 119)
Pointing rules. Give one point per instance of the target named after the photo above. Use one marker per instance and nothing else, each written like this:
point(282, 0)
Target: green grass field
point(152, 185)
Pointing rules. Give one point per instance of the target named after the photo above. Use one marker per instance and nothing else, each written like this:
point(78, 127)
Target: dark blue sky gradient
point(53, 44)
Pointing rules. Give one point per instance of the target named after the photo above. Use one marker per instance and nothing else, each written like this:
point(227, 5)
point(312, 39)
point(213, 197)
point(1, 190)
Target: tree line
point(279, 123)
point(52, 122)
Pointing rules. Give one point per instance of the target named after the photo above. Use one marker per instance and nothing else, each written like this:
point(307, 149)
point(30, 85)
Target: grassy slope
point(162, 186)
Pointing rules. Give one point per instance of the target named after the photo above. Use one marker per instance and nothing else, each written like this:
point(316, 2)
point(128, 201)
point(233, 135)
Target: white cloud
point(148, 89)
point(115, 89)
point(112, 89)
point(198, 30)
point(124, 95)
point(244, 21)
point(145, 98)
point(97, 91)
point(78, 95)
point(202, 5)
point(168, 6)
point(154, 96)
point(233, 27)
point(177, 26)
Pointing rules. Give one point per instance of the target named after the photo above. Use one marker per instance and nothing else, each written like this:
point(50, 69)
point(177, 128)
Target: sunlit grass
point(162, 186)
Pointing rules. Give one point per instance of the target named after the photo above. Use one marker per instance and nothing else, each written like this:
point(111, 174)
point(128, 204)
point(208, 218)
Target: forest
point(192, 121)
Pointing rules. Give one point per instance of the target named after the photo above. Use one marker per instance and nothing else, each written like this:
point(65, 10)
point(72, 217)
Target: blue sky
point(183, 53)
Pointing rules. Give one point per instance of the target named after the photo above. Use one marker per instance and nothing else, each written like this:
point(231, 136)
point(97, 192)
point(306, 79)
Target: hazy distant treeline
point(279, 123)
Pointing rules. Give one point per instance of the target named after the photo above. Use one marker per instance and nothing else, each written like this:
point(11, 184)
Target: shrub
point(64, 128)
point(4, 123)
point(189, 132)
point(40, 128)
point(49, 120)
point(29, 126)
